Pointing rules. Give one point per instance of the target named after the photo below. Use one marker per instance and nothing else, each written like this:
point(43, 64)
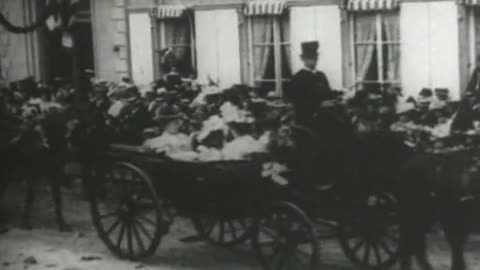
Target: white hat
point(404, 107)
point(437, 104)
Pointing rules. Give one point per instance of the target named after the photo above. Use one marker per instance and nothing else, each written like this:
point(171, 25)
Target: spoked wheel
point(224, 232)
point(126, 211)
point(285, 238)
point(372, 240)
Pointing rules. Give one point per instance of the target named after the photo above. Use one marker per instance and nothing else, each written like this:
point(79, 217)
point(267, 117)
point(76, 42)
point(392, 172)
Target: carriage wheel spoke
point(376, 251)
point(280, 260)
point(385, 247)
point(143, 229)
point(148, 220)
point(276, 250)
point(113, 226)
point(233, 230)
point(366, 254)
point(392, 237)
point(138, 237)
point(211, 228)
point(129, 239)
point(120, 236)
point(221, 232)
point(243, 224)
point(300, 262)
point(109, 215)
point(358, 245)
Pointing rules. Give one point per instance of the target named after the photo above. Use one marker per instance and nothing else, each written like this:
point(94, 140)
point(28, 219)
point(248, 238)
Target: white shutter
point(141, 51)
point(430, 47)
point(415, 56)
point(218, 46)
point(445, 55)
point(321, 23)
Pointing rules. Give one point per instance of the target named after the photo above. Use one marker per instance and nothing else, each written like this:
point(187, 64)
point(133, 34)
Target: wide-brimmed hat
point(167, 114)
point(425, 97)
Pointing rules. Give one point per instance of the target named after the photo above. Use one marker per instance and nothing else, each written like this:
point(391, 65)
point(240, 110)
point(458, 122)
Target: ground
point(46, 248)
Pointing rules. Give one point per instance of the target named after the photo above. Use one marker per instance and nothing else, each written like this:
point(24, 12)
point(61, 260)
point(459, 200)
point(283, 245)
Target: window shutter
point(430, 47)
point(218, 46)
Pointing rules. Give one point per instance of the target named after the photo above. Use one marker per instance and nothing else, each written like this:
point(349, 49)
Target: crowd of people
point(193, 120)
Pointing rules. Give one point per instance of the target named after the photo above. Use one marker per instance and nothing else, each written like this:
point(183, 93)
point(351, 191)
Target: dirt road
point(46, 248)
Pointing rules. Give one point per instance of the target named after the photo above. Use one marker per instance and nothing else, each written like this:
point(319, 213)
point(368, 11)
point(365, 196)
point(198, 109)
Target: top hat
point(310, 49)
point(426, 92)
point(442, 93)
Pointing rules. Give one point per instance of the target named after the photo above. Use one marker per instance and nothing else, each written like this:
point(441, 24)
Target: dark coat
point(307, 90)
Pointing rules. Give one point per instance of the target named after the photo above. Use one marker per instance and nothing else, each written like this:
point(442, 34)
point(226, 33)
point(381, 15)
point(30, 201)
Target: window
point(176, 35)
point(376, 49)
point(269, 49)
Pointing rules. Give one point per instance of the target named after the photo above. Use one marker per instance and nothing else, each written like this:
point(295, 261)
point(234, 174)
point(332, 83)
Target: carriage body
point(229, 202)
point(219, 188)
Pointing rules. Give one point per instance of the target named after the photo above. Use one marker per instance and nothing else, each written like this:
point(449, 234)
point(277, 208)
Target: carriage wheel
point(285, 238)
point(372, 241)
point(126, 211)
point(224, 232)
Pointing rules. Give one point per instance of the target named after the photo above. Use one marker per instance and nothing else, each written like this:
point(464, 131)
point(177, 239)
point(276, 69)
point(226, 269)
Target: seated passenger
point(172, 140)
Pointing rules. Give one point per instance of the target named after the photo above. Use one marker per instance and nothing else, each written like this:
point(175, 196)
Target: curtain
point(391, 27)
point(476, 14)
point(286, 49)
point(262, 42)
point(364, 33)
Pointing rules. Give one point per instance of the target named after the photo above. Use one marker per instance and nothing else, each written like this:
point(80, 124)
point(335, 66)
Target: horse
point(35, 152)
point(358, 162)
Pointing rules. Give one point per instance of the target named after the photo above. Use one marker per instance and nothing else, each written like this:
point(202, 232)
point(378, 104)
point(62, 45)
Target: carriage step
point(192, 239)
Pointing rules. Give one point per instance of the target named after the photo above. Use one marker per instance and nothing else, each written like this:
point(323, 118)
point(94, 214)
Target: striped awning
point(372, 5)
point(264, 7)
point(169, 11)
point(469, 2)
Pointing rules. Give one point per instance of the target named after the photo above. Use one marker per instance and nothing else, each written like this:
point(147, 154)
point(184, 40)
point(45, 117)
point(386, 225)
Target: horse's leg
point(424, 224)
point(421, 252)
point(55, 180)
point(28, 202)
point(456, 233)
point(407, 238)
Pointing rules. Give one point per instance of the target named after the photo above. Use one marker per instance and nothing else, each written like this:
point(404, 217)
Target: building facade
point(411, 44)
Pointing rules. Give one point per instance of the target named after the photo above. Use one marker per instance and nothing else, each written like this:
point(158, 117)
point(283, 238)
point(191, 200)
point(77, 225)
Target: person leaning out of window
point(309, 89)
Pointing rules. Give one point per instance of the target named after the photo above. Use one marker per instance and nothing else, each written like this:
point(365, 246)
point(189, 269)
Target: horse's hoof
point(65, 228)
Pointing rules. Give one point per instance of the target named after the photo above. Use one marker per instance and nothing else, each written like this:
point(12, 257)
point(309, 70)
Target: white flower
point(242, 147)
point(209, 154)
point(116, 108)
point(274, 171)
point(169, 143)
point(231, 113)
point(213, 123)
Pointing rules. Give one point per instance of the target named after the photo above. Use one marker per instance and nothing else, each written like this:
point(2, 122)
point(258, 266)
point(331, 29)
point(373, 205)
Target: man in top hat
point(309, 88)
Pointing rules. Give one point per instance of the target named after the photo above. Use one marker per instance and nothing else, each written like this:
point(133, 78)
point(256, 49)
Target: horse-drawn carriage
point(136, 195)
